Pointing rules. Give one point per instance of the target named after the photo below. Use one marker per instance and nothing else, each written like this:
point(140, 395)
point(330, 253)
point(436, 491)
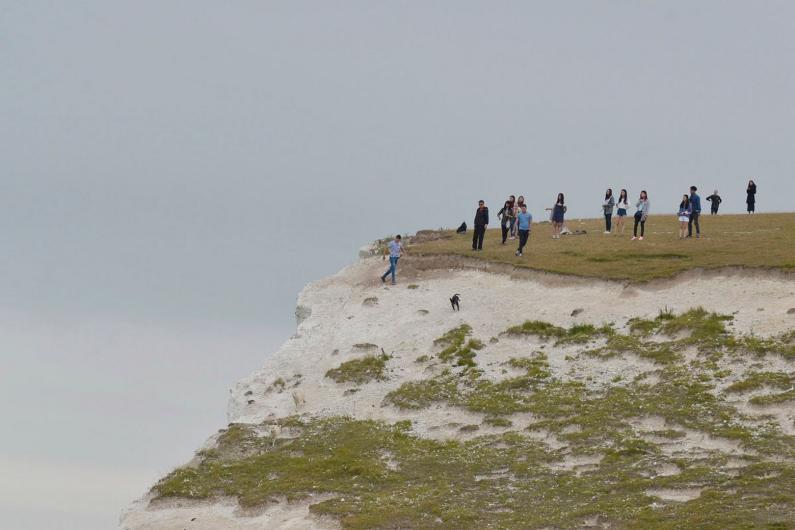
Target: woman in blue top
point(558, 211)
point(685, 211)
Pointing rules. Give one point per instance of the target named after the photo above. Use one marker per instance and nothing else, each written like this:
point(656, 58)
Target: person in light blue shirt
point(523, 219)
point(395, 250)
point(695, 205)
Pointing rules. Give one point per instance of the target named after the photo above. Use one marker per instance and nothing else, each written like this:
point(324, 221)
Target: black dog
point(462, 229)
point(454, 302)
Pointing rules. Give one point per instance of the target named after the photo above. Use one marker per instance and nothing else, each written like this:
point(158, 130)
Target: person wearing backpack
point(607, 207)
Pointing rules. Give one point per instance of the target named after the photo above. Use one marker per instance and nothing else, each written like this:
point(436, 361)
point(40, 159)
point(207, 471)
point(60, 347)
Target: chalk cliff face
point(352, 314)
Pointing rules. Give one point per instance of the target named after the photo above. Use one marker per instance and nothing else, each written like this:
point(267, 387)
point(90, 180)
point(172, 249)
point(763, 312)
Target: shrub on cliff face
point(360, 371)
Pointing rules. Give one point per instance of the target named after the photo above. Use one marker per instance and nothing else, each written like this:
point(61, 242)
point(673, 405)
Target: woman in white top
point(641, 214)
point(621, 211)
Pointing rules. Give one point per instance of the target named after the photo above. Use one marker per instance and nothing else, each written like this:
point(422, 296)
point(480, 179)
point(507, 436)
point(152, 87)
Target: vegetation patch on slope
point(364, 370)
point(587, 452)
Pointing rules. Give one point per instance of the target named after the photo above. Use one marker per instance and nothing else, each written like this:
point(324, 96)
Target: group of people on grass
point(515, 220)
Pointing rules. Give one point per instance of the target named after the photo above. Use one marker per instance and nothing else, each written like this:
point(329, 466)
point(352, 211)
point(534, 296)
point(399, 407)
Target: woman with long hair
point(558, 212)
point(641, 213)
point(751, 196)
point(516, 209)
point(607, 209)
point(621, 211)
point(507, 217)
point(685, 211)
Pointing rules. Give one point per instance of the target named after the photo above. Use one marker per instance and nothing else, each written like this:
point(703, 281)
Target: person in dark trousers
point(607, 207)
point(695, 213)
point(715, 201)
point(481, 223)
point(523, 219)
point(506, 217)
point(641, 214)
point(684, 215)
point(751, 198)
point(395, 250)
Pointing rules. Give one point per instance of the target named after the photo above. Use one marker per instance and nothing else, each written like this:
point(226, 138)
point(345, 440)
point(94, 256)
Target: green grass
point(576, 334)
point(360, 371)
point(763, 241)
point(756, 380)
point(457, 348)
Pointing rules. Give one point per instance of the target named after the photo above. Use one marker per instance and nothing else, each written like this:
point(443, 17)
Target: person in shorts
point(621, 211)
point(685, 211)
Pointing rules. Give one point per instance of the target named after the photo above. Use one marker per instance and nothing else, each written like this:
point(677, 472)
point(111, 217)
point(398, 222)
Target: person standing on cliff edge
point(481, 223)
point(395, 250)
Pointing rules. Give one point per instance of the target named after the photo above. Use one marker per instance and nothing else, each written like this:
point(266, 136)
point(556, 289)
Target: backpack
point(462, 229)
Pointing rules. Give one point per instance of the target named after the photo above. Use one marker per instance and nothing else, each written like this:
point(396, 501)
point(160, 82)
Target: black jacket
point(482, 216)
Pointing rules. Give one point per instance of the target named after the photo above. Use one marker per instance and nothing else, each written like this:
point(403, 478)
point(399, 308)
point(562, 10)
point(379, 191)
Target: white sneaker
point(634, 238)
point(641, 238)
point(607, 231)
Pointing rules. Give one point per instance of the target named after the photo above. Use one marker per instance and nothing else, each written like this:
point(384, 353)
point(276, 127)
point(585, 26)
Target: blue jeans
point(392, 268)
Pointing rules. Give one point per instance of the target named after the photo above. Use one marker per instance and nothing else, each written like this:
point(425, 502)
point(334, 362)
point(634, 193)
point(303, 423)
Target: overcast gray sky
point(173, 172)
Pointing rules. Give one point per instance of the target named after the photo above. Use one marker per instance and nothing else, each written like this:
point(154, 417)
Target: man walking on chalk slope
point(395, 250)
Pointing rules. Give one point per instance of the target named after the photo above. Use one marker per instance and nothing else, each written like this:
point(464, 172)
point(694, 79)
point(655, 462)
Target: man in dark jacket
point(695, 204)
point(481, 223)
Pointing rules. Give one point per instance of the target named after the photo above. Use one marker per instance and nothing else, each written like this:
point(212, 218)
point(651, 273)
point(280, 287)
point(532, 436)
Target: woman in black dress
point(751, 200)
point(558, 211)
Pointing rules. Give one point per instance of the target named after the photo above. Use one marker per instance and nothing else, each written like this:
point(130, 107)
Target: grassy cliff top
point(754, 241)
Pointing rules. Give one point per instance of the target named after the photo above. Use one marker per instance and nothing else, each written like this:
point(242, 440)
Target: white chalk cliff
point(352, 313)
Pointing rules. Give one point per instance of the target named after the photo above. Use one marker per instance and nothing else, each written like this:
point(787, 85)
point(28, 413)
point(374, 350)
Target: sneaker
point(698, 236)
point(634, 238)
point(512, 238)
point(641, 238)
point(383, 280)
point(394, 283)
point(519, 254)
point(516, 253)
point(607, 231)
